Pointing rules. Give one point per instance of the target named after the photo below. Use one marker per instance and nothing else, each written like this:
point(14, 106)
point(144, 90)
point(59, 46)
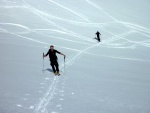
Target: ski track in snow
point(42, 34)
point(105, 43)
point(70, 10)
point(93, 4)
point(39, 13)
point(18, 25)
point(40, 107)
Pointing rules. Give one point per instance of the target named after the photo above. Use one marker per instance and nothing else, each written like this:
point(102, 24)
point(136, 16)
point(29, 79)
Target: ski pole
point(64, 62)
point(43, 59)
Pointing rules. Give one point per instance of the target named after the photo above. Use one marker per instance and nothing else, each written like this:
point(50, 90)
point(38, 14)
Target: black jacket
point(97, 33)
point(52, 55)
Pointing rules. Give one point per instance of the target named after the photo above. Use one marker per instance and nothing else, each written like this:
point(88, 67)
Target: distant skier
point(98, 35)
point(53, 59)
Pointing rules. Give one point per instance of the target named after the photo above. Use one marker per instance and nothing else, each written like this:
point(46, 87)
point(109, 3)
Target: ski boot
point(55, 73)
point(58, 73)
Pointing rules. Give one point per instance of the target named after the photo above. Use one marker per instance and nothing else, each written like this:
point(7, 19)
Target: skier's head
point(51, 47)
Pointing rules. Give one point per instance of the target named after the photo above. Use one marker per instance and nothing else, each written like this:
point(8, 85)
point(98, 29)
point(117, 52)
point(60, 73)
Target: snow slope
point(108, 77)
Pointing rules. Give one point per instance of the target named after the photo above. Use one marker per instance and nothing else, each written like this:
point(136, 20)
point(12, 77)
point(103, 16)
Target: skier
point(53, 59)
point(98, 35)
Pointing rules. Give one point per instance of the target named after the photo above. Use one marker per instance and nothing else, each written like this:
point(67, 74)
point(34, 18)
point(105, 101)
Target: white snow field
point(112, 76)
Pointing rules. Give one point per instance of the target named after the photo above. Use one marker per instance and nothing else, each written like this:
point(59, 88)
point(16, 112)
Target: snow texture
point(112, 76)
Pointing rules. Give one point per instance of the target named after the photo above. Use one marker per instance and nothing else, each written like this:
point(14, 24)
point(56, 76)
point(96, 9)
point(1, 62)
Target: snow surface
point(108, 77)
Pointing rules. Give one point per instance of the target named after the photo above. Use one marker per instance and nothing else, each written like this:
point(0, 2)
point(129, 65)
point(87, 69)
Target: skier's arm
point(46, 54)
point(60, 53)
point(63, 54)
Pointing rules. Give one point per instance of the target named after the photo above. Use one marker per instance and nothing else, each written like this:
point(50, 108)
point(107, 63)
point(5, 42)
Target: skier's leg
point(57, 67)
point(98, 38)
point(52, 64)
